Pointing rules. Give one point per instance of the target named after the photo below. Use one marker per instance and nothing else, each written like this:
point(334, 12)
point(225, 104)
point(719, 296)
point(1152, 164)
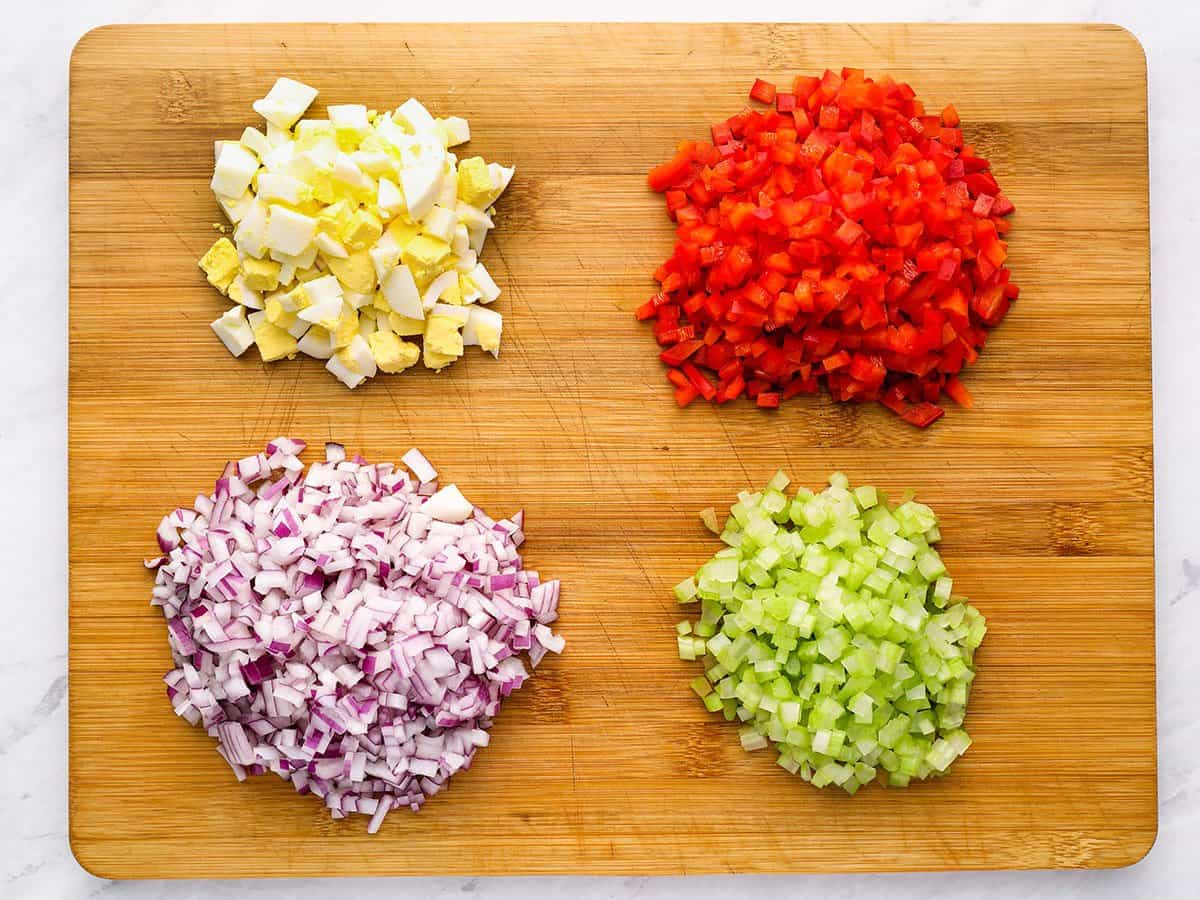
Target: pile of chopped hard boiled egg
point(352, 235)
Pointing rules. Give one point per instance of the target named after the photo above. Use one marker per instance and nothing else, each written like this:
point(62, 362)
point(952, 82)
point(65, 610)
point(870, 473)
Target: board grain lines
point(605, 763)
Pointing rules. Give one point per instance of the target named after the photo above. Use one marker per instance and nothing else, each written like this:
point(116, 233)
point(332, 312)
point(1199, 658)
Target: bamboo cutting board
point(605, 763)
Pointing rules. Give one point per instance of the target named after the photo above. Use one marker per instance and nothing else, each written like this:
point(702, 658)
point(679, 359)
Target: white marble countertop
point(35, 42)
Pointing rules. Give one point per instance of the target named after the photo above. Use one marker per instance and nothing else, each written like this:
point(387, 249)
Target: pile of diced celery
point(827, 626)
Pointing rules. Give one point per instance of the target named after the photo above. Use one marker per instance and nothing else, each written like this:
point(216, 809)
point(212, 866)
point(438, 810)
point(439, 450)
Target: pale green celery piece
point(767, 557)
point(701, 686)
point(723, 570)
point(930, 565)
point(821, 741)
point(712, 703)
point(858, 614)
point(704, 629)
point(902, 564)
point(866, 496)
point(789, 713)
point(781, 688)
point(718, 643)
point(957, 694)
point(861, 705)
point(859, 663)
point(761, 532)
point(686, 649)
point(815, 512)
point(916, 692)
point(954, 616)
point(796, 511)
point(799, 610)
point(923, 722)
point(837, 479)
point(939, 640)
point(806, 625)
point(741, 647)
point(879, 535)
point(750, 695)
point(933, 535)
point(829, 598)
point(731, 537)
point(773, 501)
point(708, 516)
point(832, 643)
point(940, 755)
point(684, 627)
point(867, 746)
point(893, 730)
point(685, 591)
point(879, 580)
point(975, 636)
point(959, 740)
point(815, 560)
point(790, 763)
point(752, 740)
point(766, 666)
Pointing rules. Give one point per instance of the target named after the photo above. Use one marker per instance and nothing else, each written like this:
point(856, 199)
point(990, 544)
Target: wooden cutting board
point(606, 763)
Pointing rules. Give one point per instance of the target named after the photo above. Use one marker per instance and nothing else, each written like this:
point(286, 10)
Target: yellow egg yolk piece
point(392, 354)
point(220, 264)
point(274, 342)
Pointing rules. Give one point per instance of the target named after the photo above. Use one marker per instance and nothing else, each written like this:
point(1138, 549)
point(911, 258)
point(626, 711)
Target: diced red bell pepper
point(762, 91)
point(674, 356)
point(958, 392)
point(922, 414)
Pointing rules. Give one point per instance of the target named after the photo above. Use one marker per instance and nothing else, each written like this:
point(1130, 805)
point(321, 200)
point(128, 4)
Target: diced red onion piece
point(419, 465)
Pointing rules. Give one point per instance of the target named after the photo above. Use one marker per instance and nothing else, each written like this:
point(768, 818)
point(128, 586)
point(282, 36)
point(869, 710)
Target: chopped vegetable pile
point(352, 234)
point(350, 628)
point(827, 627)
point(843, 237)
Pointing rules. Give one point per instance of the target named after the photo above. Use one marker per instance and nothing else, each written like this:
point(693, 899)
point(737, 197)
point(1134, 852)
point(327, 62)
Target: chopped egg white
point(391, 201)
point(483, 329)
point(438, 287)
point(255, 141)
point(483, 281)
point(234, 331)
point(289, 232)
point(401, 293)
point(234, 169)
point(285, 102)
point(421, 184)
point(349, 117)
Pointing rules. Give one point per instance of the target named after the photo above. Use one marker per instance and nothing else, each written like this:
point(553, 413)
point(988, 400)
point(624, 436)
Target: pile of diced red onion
point(350, 628)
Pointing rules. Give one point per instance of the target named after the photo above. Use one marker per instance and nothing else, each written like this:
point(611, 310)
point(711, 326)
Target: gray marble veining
point(35, 860)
